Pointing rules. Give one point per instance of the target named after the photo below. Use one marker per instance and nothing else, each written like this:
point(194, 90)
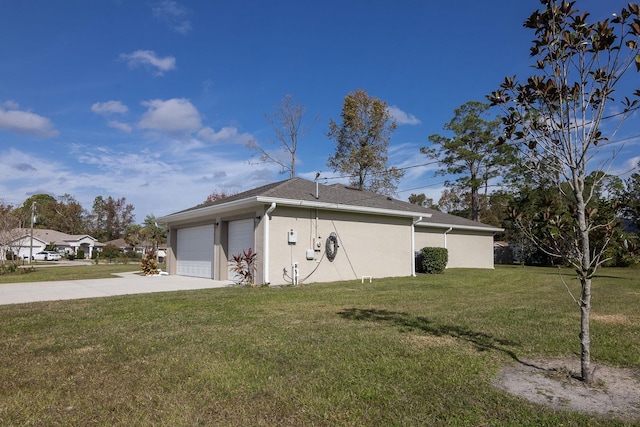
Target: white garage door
point(240, 239)
point(194, 250)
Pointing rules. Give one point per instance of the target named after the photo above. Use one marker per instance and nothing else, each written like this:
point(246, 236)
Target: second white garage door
point(195, 251)
point(240, 239)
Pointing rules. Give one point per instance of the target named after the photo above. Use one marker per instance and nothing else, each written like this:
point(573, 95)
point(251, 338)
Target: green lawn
point(49, 272)
point(412, 351)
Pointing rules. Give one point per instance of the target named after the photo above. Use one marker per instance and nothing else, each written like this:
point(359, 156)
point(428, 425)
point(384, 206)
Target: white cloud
point(25, 122)
point(403, 118)
point(22, 174)
point(174, 14)
point(10, 105)
point(174, 116)
point(629, 166)
point(226, 134)
point(119, 163)
point(109, 107)
point(124, 127)
point(148, 57)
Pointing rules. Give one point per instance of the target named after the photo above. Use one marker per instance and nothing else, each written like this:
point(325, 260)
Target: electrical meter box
point(311, 254)
point(292, 237)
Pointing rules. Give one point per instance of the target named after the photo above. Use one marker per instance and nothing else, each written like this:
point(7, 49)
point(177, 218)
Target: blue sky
point(154, 100)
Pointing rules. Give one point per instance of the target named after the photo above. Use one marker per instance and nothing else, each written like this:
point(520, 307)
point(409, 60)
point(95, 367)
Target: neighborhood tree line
point(109, 219)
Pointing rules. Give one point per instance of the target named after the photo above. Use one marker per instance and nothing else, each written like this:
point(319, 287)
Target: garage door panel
point(194, 268)
point(195, 251)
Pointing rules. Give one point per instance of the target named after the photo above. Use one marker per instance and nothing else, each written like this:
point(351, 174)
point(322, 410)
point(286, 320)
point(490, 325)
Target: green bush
point(434, 260)
point(80, 254)
point(8, 268)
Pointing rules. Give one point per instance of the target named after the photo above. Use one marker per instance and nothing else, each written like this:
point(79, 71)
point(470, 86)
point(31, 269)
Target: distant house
point(21, 246)
point(304, 231)
point(124, 246)
point(138, 249)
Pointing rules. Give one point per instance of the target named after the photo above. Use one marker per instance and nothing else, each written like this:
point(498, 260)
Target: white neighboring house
point(64, 243)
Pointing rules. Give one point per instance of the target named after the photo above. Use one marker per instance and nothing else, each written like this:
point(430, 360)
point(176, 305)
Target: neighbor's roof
point(301, 192)
point(57, 237)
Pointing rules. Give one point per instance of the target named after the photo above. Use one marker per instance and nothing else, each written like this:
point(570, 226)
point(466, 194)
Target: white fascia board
point(206, 211)
point(460, 227)
point(340, 207)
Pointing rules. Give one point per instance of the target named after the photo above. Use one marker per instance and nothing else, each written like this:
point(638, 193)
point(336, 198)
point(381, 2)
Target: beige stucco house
point(307, 232)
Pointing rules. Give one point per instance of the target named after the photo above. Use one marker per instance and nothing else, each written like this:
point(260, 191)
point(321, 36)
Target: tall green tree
point(65, 214)
point(362, 144)
point(422, 200)
point(559, 111)
point(110, 217)
point(70, 217)
point(133, 235)
point(43, 206)
point(154, 233)
point(455, 201)
point(470, 153)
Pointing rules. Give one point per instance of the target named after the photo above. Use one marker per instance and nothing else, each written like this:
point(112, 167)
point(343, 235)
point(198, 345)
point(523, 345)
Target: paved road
point(125, 284)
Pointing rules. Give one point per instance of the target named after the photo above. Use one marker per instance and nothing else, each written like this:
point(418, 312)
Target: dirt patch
point(615, 319)
point(614, 393)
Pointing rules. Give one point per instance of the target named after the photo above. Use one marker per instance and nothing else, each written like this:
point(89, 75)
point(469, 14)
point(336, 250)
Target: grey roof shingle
point(304, 190)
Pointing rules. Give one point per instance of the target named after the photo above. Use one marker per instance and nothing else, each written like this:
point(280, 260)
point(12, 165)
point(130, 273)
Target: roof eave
point(341, 207)
point(257, 200)
point(460, 227)
point(206, 210)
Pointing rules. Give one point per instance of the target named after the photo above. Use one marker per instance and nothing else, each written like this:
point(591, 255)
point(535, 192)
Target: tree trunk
point(585, 280)
point(475, 203)
point(475, 209)
point(585, 336)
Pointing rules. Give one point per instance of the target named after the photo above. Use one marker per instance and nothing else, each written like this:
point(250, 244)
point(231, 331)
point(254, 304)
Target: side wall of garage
point(467, 249)
point(368, 245)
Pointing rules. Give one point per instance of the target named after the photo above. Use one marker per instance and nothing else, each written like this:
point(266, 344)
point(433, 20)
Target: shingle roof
point(57, 237)
point(303, 190)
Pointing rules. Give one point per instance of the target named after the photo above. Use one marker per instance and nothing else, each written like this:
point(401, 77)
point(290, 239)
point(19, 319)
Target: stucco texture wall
point(369, 245)
point(467, 249)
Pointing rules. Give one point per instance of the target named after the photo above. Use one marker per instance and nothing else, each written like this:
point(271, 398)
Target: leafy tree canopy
point(470, 152)
point(362, 142)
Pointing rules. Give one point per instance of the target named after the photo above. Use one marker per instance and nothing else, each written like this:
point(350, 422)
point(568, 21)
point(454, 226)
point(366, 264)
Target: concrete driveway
point(125, 284)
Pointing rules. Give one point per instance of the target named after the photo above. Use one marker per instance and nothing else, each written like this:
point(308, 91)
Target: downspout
point(265, 244)
point(413, 246)
point(445, 240)
point(445, 236)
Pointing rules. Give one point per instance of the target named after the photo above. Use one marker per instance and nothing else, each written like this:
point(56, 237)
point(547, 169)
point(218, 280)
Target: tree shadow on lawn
point(480, 340)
